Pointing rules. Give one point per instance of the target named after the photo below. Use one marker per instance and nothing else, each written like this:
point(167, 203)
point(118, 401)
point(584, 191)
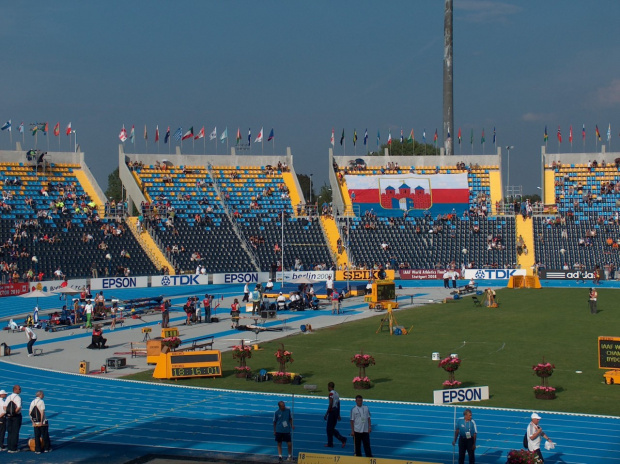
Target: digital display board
point(187, 364)
point(609, 352)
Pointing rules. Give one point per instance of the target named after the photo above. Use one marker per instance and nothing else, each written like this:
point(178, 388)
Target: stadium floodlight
point(508, 148)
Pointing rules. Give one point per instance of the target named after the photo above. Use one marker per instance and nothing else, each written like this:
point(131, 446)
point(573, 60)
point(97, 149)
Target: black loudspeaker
point(296, 380)
point(264, 314)
point(215, 319)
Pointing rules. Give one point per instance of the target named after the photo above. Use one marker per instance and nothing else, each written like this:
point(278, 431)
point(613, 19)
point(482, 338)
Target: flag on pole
point(598, 133)
point(21, 128)
point(238, 135)
point(459, 136)
point(435, 136)
point(402, 138)
point(201, 134)
point(270, 138)
point(354, 137)
point(189, 134)
point(378, 138)
point(57, 129)
point(424, 136)
point(411, 136)
point(6, 125)
point(157, 133)
point(471, 138)
point(559, 135)
point(342, 137)
point(332, 139)
point(494, 139)
point(146, 135)
point(177, 134)
point(259, 137)
point(213, 134)
point(389, 137)
point(570, 134)
point(224, 135)
point(365, 137)
point(249, 136)
point(122, 135)
point(583, 132)
point(545, 136)
point(482, 138)
point(132, 134)
point(609, 132)
point(46, 128)
point(167, 136)
point(448, 137)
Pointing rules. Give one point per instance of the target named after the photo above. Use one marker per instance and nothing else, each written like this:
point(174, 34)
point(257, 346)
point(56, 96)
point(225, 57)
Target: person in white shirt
point(269, 286)
point(32, 338)
point(40, 424)
point(281, 300)
point(360, 427)
point(329, 285)
point(2, 420)
point(88, 310)
point(534, 432)
point(13, 418)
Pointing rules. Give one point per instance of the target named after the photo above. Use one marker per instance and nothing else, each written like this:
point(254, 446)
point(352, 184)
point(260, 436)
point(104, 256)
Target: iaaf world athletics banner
point(421, 274)
point(392, 195)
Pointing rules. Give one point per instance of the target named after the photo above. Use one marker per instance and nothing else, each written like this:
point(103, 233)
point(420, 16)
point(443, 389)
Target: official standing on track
point(282, 426)
point(2, 420)
point(13, 414)
point(360, 427)
point(40, 424)
point(466, 432)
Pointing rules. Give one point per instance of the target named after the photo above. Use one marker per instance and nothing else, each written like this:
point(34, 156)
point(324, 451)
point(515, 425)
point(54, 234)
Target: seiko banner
point(421, 274)
point(555, 274)
point(363, 275)
point(490, 274)
point(241, 278)
point(460, 395)
point(182, 280)
point(321, 276)
point(119, 282)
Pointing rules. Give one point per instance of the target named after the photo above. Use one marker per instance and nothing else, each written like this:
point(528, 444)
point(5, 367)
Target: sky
point(305, 68)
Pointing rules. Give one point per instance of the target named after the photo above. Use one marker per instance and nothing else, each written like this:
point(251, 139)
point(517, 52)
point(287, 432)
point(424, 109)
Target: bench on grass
point(138, 349)
point(203, 343)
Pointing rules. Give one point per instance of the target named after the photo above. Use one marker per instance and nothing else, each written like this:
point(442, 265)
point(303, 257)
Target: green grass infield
point(498, 348)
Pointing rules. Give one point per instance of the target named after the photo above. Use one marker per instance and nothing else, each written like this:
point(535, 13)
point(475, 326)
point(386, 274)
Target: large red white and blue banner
point(392, 195)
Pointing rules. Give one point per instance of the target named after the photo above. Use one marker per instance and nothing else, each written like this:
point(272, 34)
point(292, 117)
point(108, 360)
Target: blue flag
point(378, 138)
point(167, 136)
point(270, 136)
point(365, 136)
point(177, 134)
point(7, 125)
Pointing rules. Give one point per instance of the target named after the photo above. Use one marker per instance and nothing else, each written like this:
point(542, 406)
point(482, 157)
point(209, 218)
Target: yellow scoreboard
point(188, 364)
point(315, 458)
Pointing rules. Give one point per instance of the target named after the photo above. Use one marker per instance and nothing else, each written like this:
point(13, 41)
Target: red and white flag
point(332, 139)
point(68, 131)
point(157, 133)
point(570, 134)
point(189, 134)
point(201, 134)
point(123, 134)
point(390, 138)
point(259, 137)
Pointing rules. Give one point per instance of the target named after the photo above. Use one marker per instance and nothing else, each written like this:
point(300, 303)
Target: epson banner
point(460, 395)
point(241, 278)
point(490, 274)
point(182, 280)
point(119, 282)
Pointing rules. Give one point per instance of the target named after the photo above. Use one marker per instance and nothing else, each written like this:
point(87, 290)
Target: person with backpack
point(2, 420)
point(40, 424)
point(13, 414)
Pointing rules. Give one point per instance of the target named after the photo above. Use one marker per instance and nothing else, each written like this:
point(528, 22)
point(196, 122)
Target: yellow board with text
point(315, 458)
point(188, 364)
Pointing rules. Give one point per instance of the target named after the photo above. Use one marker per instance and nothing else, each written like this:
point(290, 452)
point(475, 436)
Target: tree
point(304, 184)
point(115, 186)
point(406, 149)
point(325, 195)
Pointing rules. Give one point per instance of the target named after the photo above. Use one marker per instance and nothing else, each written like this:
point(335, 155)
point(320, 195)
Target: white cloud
point(479, 11)
point(610, 95)
point(537, 117)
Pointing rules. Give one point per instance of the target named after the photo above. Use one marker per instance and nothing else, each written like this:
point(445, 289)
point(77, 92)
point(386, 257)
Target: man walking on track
point(332, 416)
point(466, 432)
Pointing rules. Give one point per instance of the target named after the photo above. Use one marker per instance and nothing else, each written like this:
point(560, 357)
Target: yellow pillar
point(525, 229)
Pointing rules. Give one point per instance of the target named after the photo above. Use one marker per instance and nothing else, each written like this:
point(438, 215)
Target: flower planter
point(282, 380)
point(544, 374)
point(545, 396)
point(361, 386)
point(241, 375)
